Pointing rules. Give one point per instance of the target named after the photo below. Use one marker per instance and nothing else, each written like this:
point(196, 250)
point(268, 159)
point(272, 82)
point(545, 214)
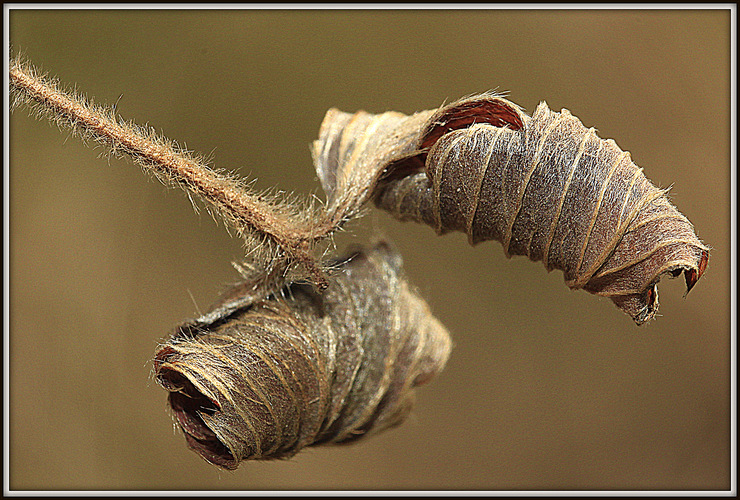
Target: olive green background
point(546, 388)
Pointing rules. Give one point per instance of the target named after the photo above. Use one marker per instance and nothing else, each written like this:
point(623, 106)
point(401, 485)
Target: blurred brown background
point(546, 388)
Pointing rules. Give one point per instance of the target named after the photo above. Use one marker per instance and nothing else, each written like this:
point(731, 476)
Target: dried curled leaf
point(302, 368)
point(544, 186)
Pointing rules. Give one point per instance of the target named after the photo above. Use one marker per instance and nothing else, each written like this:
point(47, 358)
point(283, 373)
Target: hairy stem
point(290, 232)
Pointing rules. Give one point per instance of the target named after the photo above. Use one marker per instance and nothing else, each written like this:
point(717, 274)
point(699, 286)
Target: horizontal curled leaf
point(544, 186)
point(302, 368)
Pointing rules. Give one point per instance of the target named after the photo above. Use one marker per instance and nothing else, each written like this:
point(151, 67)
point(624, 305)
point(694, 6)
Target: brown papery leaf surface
point(545, 186)
point(301, 368)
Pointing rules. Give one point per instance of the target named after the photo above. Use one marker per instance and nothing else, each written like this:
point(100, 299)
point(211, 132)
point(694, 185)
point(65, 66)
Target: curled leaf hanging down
point(544, 186)
point(302, 368)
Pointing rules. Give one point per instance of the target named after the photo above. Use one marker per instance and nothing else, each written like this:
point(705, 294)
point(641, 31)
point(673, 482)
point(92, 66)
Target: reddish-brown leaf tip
point(467, 112)
point(693, 275)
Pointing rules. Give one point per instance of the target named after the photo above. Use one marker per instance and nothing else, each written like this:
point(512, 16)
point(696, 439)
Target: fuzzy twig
point(282, 231)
